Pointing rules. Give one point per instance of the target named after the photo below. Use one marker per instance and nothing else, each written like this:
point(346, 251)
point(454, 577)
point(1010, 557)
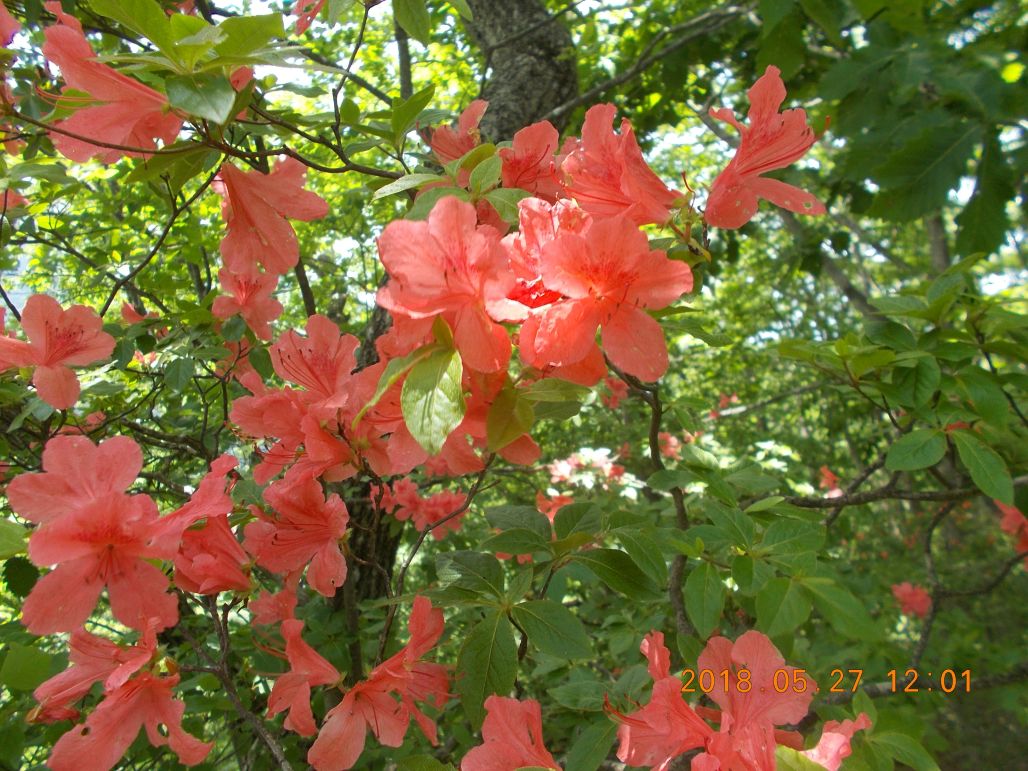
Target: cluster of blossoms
point(913, 600)
point(571, 288)
point(588, 468)
point(652, 736)
point(438, 511)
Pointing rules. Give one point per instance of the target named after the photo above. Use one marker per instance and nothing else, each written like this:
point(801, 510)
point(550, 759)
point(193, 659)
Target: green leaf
point(982, 225)
point(394, 370)
point(142, 16)
point(517, 540)
point(12, 538)
point(842, 609)
point(919, 449)
point(918, 176)
point(904, 749)
point(486, 175)
point(788, 759)
point(193, 37)
point(763, 504)
point(487, 664)
point(478, 572)
point(505, 201)
point(737, 527)
point(868, 360)
point(424, 202)
point(915, 385)
point(826, 16)
point(988, 470)
point(704, 598)
point(25, 667)
point(985, 394)
point(178, 374)
point(210, 97)
point(592, 746)
point(519, 517)
point(581, 517)
point(509, 418)
point(790, 536)
point(644, 551)
point(553, 629)
point(782, 605)
point(20, 575)
point(413, 16)
point(580, 695)
point(890, 333)
point(619, 572)
point(246, 34)
point(750, 574)
point(432, 400)
point(553, 390)
point(261, 361)
point(773, 11)
point(234, 329)
point(405, 113)
point(178, 168)
point(405, 183)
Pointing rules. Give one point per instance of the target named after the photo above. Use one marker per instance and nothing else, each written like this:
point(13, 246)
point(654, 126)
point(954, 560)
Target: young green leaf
point(432, 400)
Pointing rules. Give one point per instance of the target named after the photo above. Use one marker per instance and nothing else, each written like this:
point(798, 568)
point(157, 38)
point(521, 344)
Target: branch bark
point(527, 57)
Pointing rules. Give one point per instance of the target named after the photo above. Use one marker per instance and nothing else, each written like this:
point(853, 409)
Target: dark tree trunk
point(530, 63)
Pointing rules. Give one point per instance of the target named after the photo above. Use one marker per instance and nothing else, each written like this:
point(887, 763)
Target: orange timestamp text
point(793, 680)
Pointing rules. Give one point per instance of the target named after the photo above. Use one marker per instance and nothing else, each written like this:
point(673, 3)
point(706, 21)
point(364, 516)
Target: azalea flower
point(128, 113)
point(450, 267)
point(321, 362)
point(834, 745)
point(608, 176)
point(249, 295)
point(618, 389)
point(667, 727)
point(75, 473)
point(274, 415)
point(58, 339)
point(370, 704)
point(551, 504)
point(1015, 524)
point(431, 510)
point(539, 224)
point(512, 738)
point(210, 560)
point(829, 481)
point(772, 141)
point(210, 499)
point(449, 143)
point(670, 445)
point(913, 599)
point(12, 199)
point(530, 162)
point(102, 544)
point(306, 11)
point(9, 26)
point(255, 207)
point(305, 532)
point(144, 701)
point(292, 691)
point(93, 659)
point(609, 275)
